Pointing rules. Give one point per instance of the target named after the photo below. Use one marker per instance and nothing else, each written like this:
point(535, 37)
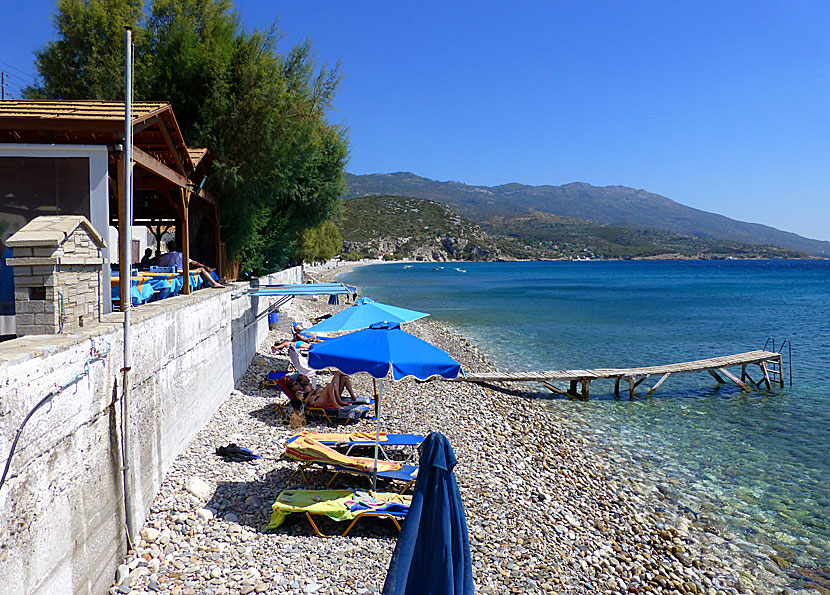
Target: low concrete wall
point(61, 507)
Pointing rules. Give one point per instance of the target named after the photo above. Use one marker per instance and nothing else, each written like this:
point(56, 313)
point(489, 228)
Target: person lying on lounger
point(277, 347)
point(301, 336)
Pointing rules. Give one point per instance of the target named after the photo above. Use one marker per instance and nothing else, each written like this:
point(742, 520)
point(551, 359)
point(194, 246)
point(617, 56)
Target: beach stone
point(149, 534)
point(198, 487)
point(122, 573)
point(205, 514)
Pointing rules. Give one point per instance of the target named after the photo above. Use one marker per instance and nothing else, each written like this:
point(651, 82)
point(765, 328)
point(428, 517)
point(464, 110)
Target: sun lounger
point(405, 444)
point(339, 505)
point(311, 453)
point(331, 414)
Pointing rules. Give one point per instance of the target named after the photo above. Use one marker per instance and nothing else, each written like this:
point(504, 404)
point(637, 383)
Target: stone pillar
point(58, 282)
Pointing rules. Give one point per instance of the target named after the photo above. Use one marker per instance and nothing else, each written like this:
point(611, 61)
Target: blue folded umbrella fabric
point(432, 555)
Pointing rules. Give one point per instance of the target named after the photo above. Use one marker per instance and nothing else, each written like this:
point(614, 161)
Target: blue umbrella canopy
point(362, 314)
point(432, 555)
point(377, 349)
point(380, 347)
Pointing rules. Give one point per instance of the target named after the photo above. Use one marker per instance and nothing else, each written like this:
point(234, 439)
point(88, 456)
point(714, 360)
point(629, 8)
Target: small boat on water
point(407, 266)
point(438, 269)
point(460, 270)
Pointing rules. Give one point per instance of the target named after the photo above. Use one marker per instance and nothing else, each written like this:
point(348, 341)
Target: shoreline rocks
point(547, 512)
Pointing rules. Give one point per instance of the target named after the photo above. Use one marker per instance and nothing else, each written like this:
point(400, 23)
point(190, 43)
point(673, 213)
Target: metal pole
point(377, 440)
point(126, 256)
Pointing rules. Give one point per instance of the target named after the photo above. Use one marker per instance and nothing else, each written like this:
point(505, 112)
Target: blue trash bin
point(273, 319)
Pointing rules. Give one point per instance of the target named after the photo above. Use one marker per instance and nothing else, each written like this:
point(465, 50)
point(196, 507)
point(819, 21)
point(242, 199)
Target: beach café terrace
point(67, 158)
point(63, 500)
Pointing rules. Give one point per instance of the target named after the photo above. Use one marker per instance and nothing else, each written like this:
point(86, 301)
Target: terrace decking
point(769, 364)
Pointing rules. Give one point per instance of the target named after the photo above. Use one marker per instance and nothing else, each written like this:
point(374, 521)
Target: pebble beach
point(547, 512)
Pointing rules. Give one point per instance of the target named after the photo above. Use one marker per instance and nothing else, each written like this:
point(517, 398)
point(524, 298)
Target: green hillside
point(418, 229)
point(412, 228)
point(610, 205)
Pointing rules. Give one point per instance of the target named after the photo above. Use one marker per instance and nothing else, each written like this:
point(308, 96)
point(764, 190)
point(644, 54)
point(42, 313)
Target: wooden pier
point(768, 362)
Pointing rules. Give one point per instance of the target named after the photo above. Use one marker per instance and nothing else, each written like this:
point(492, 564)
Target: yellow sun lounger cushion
point(339, 505)
point(344, 438)
point(308, 450)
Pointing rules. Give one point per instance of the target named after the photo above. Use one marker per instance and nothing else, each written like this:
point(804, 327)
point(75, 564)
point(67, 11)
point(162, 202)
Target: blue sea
point(761, 461)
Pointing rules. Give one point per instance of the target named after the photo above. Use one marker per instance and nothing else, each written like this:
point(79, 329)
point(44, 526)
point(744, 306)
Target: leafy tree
point(319, 244)
point(278, 162)
point(87, 59)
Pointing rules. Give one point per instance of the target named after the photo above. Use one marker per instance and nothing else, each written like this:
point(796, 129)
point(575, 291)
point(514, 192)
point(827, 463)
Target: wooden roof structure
point(168, 181)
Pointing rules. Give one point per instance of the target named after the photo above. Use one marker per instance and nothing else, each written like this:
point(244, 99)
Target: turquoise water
point(760, 460)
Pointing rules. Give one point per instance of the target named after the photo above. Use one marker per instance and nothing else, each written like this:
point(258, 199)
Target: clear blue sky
point(723, 106)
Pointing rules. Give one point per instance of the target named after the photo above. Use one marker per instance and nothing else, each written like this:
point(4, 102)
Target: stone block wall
point(57, 275)
point(62, 507)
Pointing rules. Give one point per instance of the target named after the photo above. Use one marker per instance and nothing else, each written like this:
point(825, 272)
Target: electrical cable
point(95, 356)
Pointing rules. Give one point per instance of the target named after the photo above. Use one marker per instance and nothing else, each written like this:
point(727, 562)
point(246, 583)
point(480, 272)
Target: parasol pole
point(377, 439)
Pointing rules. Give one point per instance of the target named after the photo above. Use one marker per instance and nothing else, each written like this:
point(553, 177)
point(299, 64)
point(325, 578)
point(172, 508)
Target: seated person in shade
point(173, 258)
point(147, 260)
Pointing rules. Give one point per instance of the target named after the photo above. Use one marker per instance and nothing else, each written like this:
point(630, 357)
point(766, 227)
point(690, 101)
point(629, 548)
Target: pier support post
point(659, 382)
point(765, 372)
point(716, 376)
point(735, 379)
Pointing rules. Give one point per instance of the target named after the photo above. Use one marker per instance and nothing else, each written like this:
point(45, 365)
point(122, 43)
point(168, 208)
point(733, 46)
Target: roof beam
point(152, 164)
point(172, 147)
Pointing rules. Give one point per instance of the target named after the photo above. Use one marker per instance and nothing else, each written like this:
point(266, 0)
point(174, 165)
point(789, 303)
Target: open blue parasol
point(432, 555)
point(362, 314)
point(377, 350)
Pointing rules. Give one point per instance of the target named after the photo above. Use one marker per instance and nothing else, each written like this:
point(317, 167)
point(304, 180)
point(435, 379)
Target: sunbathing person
point(329, 395)
point(286, 344)
point(300, 336)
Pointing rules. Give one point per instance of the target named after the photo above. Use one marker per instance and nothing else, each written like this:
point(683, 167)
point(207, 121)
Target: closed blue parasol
point(432, 555)
point(376, 350)
point(362, 314)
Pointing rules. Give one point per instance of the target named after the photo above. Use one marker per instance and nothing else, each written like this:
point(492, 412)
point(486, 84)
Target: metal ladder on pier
point(774, 368)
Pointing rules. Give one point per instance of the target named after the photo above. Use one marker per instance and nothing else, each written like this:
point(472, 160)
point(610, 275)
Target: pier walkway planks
point(768, 362)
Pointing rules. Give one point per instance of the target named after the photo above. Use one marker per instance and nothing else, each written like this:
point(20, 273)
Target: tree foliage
point(278, 162)
point(319, 244)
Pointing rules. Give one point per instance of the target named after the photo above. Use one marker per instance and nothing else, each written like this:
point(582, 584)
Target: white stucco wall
point(61, 508)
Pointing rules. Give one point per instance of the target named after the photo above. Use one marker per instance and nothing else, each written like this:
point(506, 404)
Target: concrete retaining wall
point(61, 507)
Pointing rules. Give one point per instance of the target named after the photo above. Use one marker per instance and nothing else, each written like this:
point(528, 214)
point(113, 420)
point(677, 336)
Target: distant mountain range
point(611, 205)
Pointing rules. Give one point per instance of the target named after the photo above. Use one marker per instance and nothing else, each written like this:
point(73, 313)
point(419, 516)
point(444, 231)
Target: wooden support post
point(765, 372)
point(781, 370)
point(585, 384)
point(217, 244)
point(743, 371)
point(572, 389)
point(631, 387)
point(617, 387)
point(659, 382)
point(185, 247)
point(735, 379)
point(716, 376)
point(746, 377)
point(554, 389)
point(123, 267)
